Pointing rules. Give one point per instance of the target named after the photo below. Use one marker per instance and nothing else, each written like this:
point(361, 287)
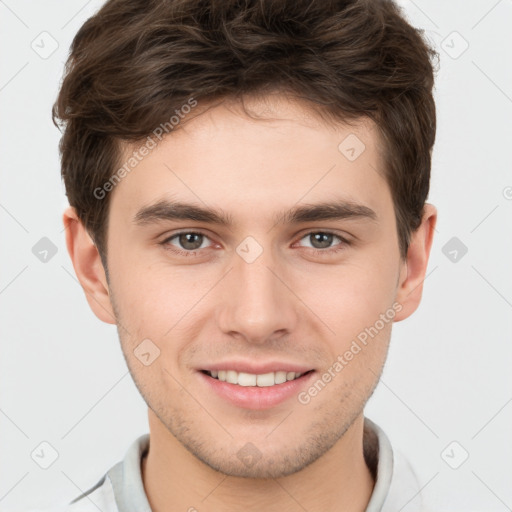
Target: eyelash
point(316, 252)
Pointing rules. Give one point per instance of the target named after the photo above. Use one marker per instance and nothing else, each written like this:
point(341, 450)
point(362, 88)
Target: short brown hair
point(135, 62)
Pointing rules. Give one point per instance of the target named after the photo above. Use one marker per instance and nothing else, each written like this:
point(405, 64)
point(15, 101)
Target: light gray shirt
point(121, 488)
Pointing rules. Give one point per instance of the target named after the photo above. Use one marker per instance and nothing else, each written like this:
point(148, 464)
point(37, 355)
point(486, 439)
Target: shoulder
point(405, 489)
point(397, 486)
point(98, 497)
point(120, 487)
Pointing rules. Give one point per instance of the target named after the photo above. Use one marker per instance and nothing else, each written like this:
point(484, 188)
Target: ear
point(88, 266)
point(412, 273)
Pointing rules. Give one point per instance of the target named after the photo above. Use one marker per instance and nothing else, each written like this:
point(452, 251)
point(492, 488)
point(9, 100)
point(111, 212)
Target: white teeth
point(232, 377)
point(249, 379)
point(280, 377)
point(246, 379)
point(265, 379)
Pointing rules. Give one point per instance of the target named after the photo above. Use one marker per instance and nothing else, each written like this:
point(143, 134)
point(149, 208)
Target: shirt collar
point(126, 476)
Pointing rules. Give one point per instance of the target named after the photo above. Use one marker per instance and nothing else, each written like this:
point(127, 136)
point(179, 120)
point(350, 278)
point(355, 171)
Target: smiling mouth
point(253, 380)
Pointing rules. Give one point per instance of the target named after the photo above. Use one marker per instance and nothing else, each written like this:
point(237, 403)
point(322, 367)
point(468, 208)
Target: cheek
point(348, 298)
point(160, 303)
point(163, 302)
point(147, 289)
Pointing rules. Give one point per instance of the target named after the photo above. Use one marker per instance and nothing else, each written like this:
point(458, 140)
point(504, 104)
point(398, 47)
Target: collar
point(128, 488)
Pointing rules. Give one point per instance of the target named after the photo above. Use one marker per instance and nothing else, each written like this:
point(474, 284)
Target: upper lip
point(257, 368)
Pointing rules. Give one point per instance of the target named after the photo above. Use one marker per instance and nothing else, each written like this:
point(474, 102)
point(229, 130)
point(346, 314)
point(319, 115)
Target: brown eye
point(186, 241)
point(322, 239)
point(190, 241)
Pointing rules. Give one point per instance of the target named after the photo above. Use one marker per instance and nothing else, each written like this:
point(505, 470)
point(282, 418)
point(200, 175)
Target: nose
point(257, 303)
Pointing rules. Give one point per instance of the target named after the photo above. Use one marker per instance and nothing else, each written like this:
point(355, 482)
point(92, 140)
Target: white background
point(63, 376)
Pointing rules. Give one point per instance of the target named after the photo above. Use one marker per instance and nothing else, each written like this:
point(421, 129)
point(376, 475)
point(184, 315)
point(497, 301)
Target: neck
point(340, 480)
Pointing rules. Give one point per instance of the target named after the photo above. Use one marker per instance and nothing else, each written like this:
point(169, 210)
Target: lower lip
point(254, 397)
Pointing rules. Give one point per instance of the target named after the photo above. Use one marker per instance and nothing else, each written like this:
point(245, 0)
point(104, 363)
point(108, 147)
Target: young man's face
point(262, 290)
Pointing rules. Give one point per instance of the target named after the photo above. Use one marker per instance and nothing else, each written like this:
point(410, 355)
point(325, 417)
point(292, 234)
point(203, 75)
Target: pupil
point(326, 242)
point(187, 242)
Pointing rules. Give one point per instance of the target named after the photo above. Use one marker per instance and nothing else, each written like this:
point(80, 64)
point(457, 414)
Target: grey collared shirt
point(121, 488)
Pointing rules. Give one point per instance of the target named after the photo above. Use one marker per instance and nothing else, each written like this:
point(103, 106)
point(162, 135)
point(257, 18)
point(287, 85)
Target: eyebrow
point(331, 210)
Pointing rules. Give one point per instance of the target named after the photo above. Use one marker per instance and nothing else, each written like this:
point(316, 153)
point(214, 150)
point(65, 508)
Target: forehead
point(270, 151)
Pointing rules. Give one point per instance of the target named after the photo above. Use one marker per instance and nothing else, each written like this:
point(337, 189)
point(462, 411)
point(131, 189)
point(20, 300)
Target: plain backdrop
point(445, 397)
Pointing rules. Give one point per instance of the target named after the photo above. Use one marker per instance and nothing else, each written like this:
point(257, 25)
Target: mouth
point(262, 380)
point(253, 391)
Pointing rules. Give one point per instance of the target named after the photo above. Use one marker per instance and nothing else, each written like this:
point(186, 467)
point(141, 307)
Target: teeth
point(246, 379)
point(265, 379)
point(280, 377)
point(249, 379)
point(232, 377)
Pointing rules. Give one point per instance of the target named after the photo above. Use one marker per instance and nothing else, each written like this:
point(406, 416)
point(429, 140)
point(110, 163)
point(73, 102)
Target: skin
point(289, 304)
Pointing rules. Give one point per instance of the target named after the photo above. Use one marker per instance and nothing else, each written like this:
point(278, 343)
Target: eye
point(321, 241)
point(187, 242)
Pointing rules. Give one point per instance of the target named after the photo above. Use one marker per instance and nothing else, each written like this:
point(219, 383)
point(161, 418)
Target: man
point(247, 186)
